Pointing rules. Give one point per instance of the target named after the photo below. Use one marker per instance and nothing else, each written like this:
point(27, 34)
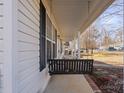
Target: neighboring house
point(30, 34)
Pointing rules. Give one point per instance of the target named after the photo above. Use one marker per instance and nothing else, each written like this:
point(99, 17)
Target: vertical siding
point(1, 44)
point(29, 77)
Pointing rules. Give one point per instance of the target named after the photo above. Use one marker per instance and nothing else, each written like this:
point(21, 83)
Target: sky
point(112, 18)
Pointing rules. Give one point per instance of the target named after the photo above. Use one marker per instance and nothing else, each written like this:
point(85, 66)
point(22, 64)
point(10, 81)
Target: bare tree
point(90, 37)
point(119, 35)
point(107, 40)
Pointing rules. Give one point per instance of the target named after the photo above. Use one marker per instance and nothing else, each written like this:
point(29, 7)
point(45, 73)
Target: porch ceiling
point(72, 16)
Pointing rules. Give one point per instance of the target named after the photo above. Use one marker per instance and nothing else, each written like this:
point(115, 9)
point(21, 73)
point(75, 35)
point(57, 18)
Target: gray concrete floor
point(68, 84)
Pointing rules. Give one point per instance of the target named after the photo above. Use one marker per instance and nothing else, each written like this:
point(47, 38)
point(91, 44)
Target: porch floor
point(68, 84)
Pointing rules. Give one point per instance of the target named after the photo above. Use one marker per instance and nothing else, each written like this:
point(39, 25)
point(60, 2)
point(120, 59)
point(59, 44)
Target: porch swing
point(71, 66)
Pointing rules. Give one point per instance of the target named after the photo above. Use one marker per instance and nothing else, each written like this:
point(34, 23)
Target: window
point(42, 36)
point(49, 56)
point(55, 45)
point(48, 27)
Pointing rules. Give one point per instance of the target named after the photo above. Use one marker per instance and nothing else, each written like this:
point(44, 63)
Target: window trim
point(42, 33)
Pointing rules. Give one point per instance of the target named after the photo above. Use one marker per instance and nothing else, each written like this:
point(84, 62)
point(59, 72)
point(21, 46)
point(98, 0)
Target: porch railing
point(70, 66)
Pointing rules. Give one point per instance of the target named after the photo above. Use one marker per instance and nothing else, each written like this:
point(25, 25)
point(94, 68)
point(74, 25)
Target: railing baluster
point(89, 66)
point(50, 68)
point(80, 67)
point(68, 65)
point(86, 66)
point(76, 66)
point(58, 65)
point(55, 65)
point(62, 66)
point(49, 65)
point(52, 65)
point(72, 66)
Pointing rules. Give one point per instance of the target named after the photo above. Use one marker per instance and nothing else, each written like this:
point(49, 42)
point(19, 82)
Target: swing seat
point(70, 66)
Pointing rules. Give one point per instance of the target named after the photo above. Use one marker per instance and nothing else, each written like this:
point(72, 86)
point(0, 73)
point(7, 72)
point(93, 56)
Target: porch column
point(78, 45)
point(75, 47)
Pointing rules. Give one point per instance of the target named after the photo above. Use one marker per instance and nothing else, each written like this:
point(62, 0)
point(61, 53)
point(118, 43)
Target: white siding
point(30, 80)
point(1, 45)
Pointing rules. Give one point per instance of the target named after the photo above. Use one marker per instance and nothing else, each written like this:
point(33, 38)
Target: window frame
point(42, 33)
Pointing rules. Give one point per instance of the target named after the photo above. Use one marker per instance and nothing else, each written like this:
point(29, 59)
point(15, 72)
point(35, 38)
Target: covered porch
point(36, 37)
point(70, 18)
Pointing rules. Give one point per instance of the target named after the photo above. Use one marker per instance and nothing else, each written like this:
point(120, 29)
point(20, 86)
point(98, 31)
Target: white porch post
point(10, 47)
point(74, 47)
point(78, 45)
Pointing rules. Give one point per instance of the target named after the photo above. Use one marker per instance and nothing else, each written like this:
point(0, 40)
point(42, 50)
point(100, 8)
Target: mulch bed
point(108, 79)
